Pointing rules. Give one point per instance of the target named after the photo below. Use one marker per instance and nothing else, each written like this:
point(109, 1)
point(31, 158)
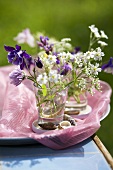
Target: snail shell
point(70, 119)
point(64, 124)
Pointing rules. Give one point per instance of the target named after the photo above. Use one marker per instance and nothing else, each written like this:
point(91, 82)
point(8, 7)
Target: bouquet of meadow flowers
point(57, 65)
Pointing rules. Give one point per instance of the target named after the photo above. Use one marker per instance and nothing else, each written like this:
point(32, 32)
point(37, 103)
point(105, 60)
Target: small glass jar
point(76, 103)
point(50, 106)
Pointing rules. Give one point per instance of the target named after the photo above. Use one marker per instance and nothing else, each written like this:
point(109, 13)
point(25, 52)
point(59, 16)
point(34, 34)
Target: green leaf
point(44, 90)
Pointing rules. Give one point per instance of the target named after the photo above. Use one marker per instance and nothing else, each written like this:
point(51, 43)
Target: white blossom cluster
point(96, 35)
point(48, 60)
point(63, 45)
point(50, 72)
point(86, 67)
point(83, 67)
point(52, 77)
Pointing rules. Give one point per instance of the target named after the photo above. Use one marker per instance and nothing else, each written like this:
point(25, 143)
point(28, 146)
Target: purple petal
point(109, 64)
point(39, 63)
point(44, 40)
point(9, 48)
point(77, 49)
point(16, 60)
point(18, 48)
point(57, 61)
point(27, 56)
point(65, 69)
point(40, 44)
point(16, 77)
point(22, 66)
point(10, 57)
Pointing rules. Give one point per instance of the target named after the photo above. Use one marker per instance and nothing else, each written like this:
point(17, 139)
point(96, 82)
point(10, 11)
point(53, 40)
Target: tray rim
point(25, 140)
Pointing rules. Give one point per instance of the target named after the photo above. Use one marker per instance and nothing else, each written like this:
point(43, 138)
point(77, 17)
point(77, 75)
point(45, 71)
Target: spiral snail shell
point(64, 124)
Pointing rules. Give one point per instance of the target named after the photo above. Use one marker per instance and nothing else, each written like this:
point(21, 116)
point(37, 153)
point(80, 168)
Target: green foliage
point(44, 90)
point(69, 18)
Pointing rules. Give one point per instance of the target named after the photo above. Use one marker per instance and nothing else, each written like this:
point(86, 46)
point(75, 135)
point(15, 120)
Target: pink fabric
point(19, 111)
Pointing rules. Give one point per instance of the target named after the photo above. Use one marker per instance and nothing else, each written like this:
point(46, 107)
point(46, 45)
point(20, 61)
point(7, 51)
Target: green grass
point(61, 18)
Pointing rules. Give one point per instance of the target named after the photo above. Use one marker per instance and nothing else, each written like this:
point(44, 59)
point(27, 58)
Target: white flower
point(48, 60)
point(51, 59)
point(103, 35)
point(82, 83)
point(54, 77)
point(102, 43)
point(94, 69)
point(79, 59)
point(42, 79)
point(94, 30)
point(63, 57)
point(87, 70)
point(63, 45)
point(88, 55)
point(98, 54)
point(65, 39)
point(69, 56)
point(25, 37)
point(66, 46)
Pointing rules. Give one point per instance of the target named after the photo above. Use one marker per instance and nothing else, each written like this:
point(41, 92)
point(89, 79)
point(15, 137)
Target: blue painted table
point(83, 156)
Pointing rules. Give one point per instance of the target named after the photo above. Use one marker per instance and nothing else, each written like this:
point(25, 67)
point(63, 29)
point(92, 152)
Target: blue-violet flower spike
point(44, 44)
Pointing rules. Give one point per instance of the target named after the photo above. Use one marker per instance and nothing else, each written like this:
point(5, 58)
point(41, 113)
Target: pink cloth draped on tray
point(18, 109)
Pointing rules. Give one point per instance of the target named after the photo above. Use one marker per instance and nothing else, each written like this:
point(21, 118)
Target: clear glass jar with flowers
point(50, 86)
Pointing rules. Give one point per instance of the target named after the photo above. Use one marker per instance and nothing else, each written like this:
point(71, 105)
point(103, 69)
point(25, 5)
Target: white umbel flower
point(42, 79)
point(103, 35)
point(102, 43)
point(98, 54)
point(65, 39)
point(51, 59)
point(63, 57)
point(54, 76)
point(94, 69)
point(94, 30)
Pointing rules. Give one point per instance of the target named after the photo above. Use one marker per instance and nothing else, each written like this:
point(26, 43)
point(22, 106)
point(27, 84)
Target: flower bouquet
point(57, 69)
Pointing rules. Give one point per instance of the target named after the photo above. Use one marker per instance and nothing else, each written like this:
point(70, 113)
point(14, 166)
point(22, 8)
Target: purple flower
point(39, 63)
point(16, 76)
point(57, 60)
point(44, 40)
point(26, 61)
point(44, 44)
point(65, 69)
point(14, 54)
point(18, 57)
point(76, 50)
point(108, 68)
point(48, 48)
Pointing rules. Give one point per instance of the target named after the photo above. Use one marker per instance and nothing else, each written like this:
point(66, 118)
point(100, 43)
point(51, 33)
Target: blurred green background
point(61, 18)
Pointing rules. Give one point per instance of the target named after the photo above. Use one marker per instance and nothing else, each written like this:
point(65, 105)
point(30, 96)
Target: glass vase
point(50, 106)
point(76, 103)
